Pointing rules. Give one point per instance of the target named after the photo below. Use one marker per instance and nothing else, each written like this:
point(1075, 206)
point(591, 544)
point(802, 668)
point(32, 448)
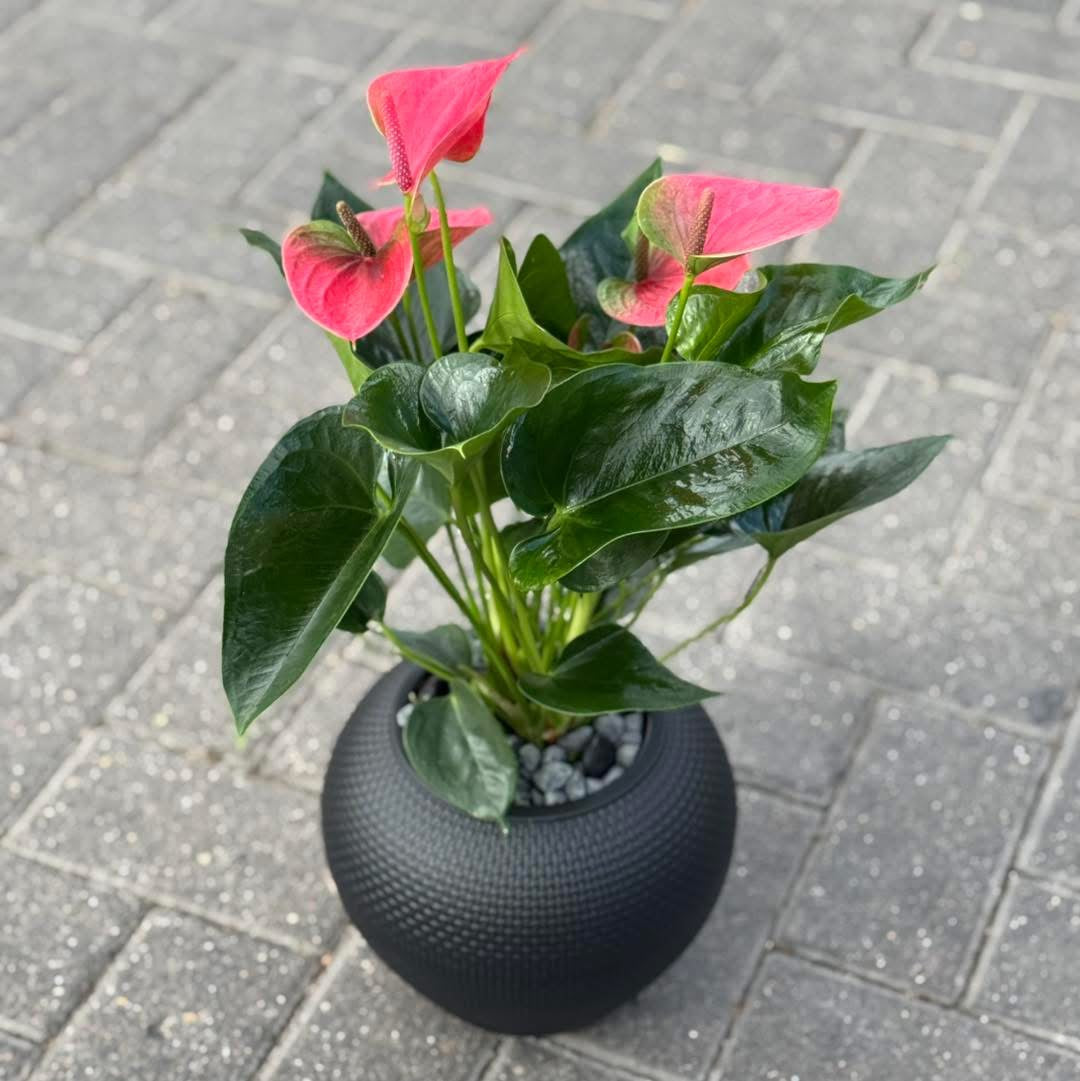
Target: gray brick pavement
point(900, 707)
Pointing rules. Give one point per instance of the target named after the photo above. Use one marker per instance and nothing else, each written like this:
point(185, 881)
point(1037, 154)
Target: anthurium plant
point(634, 401)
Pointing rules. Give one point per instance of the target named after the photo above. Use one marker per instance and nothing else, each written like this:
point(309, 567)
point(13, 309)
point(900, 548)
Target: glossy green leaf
point(620, 450)
point(460, 751)
point(330, 194)
point(608, 669)
point(614, 563)
point(835, 486)
point(305, 537)
point(443, 650)
point(450, 411)
point(355, 368)
point(427, 511)
point(596, 250)
point(367, 607)
point(800, 305)
point(709, 320)
point(264, 243)
point(546, 289)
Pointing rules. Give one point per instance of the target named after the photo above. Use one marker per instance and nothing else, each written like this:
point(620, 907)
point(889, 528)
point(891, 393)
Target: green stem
point(684, 296)
point(461, 568)
point(410, 322)
point(421, 283)
point(581, 614)
point(755, 588)
point(395, 325)
point(448, 261)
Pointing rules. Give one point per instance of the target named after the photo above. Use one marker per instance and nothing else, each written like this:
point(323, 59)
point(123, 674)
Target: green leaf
point(545, 287)
point(444, 650)
point(331, 192)
point(835, 486)
point(620, 450)
point(305, 537)
point(596, 250)
point(608, 669)
point(369, 606)
point(614, 563)
point(265, 243)
point(448, 412)
point(427, 511)
point(460, 751)
point(800, 305)
point(355, 368)
point(710, 318)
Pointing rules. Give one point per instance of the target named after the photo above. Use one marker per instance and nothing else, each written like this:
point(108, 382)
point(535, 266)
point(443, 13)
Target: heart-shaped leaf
point(444, 650)
point(620, 450)
point(461, 752)
point(264, 243)
point(614, 563)
point(596, 249)
point(545, 287)
point(709, 319)
point(305, 537)
point(368, 607)
point(330, 194)
point(799, 306)
point(608, 669)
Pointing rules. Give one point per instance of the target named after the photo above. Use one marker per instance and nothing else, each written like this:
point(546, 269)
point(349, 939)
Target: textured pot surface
point(551, 926)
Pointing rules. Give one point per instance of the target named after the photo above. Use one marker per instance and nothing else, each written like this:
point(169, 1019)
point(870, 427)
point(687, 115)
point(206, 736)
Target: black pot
point(551, 926)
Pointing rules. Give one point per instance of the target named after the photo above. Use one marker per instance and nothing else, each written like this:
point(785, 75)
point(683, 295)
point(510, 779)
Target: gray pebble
point(599, 756)
point(633, 727)
point(626, 754)
point(529, 757)
point(576, 740)
point(575, 787)
point(553, 799)
point(537, 798)
point(613, 774)
point(514, 740)
point(554, 753)
point(552, 776)
point(610, 725)
point(593, 784)
point(404, 714)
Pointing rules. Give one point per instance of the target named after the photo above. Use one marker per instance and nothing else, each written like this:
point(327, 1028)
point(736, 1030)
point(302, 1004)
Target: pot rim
point(644, 762)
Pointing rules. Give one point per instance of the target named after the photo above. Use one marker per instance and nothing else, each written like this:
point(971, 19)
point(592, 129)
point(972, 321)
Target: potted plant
point(531, 816)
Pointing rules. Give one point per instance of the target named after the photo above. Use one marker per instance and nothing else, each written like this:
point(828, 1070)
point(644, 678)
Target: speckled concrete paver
point(900, 707)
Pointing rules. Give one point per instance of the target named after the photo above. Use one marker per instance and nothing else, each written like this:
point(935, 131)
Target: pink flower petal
point(746, 214)
point(440, 111)
point(380, 226)
point(334, 285)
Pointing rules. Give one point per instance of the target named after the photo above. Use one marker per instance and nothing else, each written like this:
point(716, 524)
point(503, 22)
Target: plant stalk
point(684, 296)
point(421, 284)
point(448, 262)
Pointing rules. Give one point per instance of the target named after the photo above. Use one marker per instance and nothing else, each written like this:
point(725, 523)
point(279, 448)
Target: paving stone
point(350, 43)
point(1039, 185)
point(1005, 46)
point(524, 1060)
point(490, 20)
point(952, 330)
point(971, 650)
point(220, 143)
point(119, 399)
point(16, 1058)
point(417, 602)
point(177, 232)
point(362, 1013)
point(1041, 457)
point(1052, 846)
point(861, 81)
point(106, 528)
point(138, 10)
point(899, 207)
point(808, 1022)
point(64, 647)
point(59, 295)
point(1029, 558)
point(169, 826)
point(301, 753)
point(221, 438)
point(22, 364)
point(1030, 973)
point(850, 26)
point(901, 884)
point(677, 1024)
point(12, 583)
point(50, 168)
point(755, 141)
point(917, 527)
point(183, 1000)
point(57, 933)
point(568, 72)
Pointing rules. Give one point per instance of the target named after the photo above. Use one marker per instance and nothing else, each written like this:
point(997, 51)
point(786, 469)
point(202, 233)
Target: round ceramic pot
point(548, 927)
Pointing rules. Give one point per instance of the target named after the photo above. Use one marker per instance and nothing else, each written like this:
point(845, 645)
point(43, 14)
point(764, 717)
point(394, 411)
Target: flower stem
point(756, 587)
point(684, 296)
point(421, 283)
point(395, 325)
point(448, 261)
point(410, 323)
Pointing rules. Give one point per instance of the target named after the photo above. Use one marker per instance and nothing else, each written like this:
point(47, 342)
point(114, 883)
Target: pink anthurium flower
point(701, 220)
point(428, 114)
point(644, 301)
point(348, 278)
